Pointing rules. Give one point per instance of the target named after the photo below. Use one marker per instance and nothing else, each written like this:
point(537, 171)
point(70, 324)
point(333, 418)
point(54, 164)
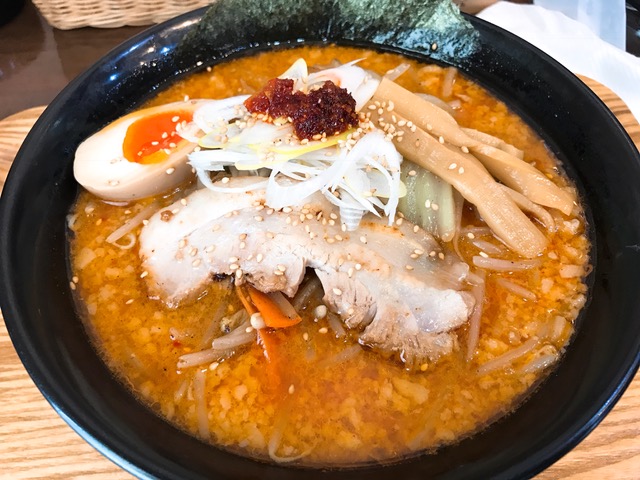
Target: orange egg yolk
point(152, 138)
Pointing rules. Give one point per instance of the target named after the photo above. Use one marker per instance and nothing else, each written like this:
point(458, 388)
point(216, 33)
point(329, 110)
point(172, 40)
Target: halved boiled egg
point(138, 155)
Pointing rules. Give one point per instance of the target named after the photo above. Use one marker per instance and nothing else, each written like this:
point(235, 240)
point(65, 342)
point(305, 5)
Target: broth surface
point(330, 410)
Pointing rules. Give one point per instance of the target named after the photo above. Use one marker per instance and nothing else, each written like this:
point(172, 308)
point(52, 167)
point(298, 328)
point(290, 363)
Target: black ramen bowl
point(578, 128)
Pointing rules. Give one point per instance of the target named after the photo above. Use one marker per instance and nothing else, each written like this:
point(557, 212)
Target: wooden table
point(36, 62)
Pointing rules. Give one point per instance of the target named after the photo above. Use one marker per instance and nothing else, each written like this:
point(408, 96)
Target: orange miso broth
point(311, 394)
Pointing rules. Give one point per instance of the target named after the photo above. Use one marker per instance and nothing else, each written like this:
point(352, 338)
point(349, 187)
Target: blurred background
point(44, 44)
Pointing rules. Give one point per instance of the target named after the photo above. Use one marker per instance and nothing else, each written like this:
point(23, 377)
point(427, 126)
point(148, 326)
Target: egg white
point(101, 167)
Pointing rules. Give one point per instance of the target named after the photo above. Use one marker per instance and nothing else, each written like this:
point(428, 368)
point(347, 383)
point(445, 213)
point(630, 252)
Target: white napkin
point(572, 44)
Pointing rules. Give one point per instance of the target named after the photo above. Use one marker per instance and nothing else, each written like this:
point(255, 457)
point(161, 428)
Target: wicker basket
point(68, 14)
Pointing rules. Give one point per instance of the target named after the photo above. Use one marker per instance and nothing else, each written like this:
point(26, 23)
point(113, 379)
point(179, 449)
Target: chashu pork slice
point(390, 283)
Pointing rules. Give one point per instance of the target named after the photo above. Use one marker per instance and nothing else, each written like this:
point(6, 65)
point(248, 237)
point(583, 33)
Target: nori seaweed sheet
point(229, 26)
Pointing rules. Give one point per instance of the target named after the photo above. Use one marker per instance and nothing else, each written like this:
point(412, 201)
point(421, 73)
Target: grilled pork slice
point(391, 284)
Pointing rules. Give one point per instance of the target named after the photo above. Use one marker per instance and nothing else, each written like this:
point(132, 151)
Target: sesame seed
point(408, 267)
point(427, 204)
point(72, 285)
point(182, 243)
point(170, 170)
point(129, 302)
point(453, 166)
point(418, 251)
point(471, 235)
point(234, 259)
point(196, 262)
point(461, 170)
point(464, 149)
point(213, 366)
point(259, 258)
point(305, 336)
point(350, 272)
point(216, 227)
point(291, 389)
point(337, 291)
point(75, 279)
point(282, 268)
point(98, 222)
point(357, 266)
point(320, 311)
point(484, 255)
point(278, 273)
point(193, 252)
point(183, 201)
point(225, 180)
point(416, 228)
point(363, 239)
point(323, 330)
point(414, 256)
point(258, 218)
point(441, 256)
point(242, 245)
point(424, 367)
point(412, 173)
point(239, 273)
point(113, 183)
point(233, 267)
point(435, 206)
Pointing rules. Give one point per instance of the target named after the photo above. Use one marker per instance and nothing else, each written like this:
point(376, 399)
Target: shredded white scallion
point(358, 171)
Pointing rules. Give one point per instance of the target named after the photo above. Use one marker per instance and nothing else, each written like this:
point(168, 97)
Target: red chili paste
point(328, 110)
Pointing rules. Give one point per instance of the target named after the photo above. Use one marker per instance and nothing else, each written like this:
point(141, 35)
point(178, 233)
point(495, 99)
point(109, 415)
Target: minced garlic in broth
point(366, 408)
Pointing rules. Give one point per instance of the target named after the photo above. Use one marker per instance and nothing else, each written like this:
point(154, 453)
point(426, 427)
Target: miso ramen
point(317, 261)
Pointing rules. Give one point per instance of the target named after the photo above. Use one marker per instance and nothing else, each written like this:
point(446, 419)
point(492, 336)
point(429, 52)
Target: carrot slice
point(246, 302)
point(276, 310)
point(275, 371)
